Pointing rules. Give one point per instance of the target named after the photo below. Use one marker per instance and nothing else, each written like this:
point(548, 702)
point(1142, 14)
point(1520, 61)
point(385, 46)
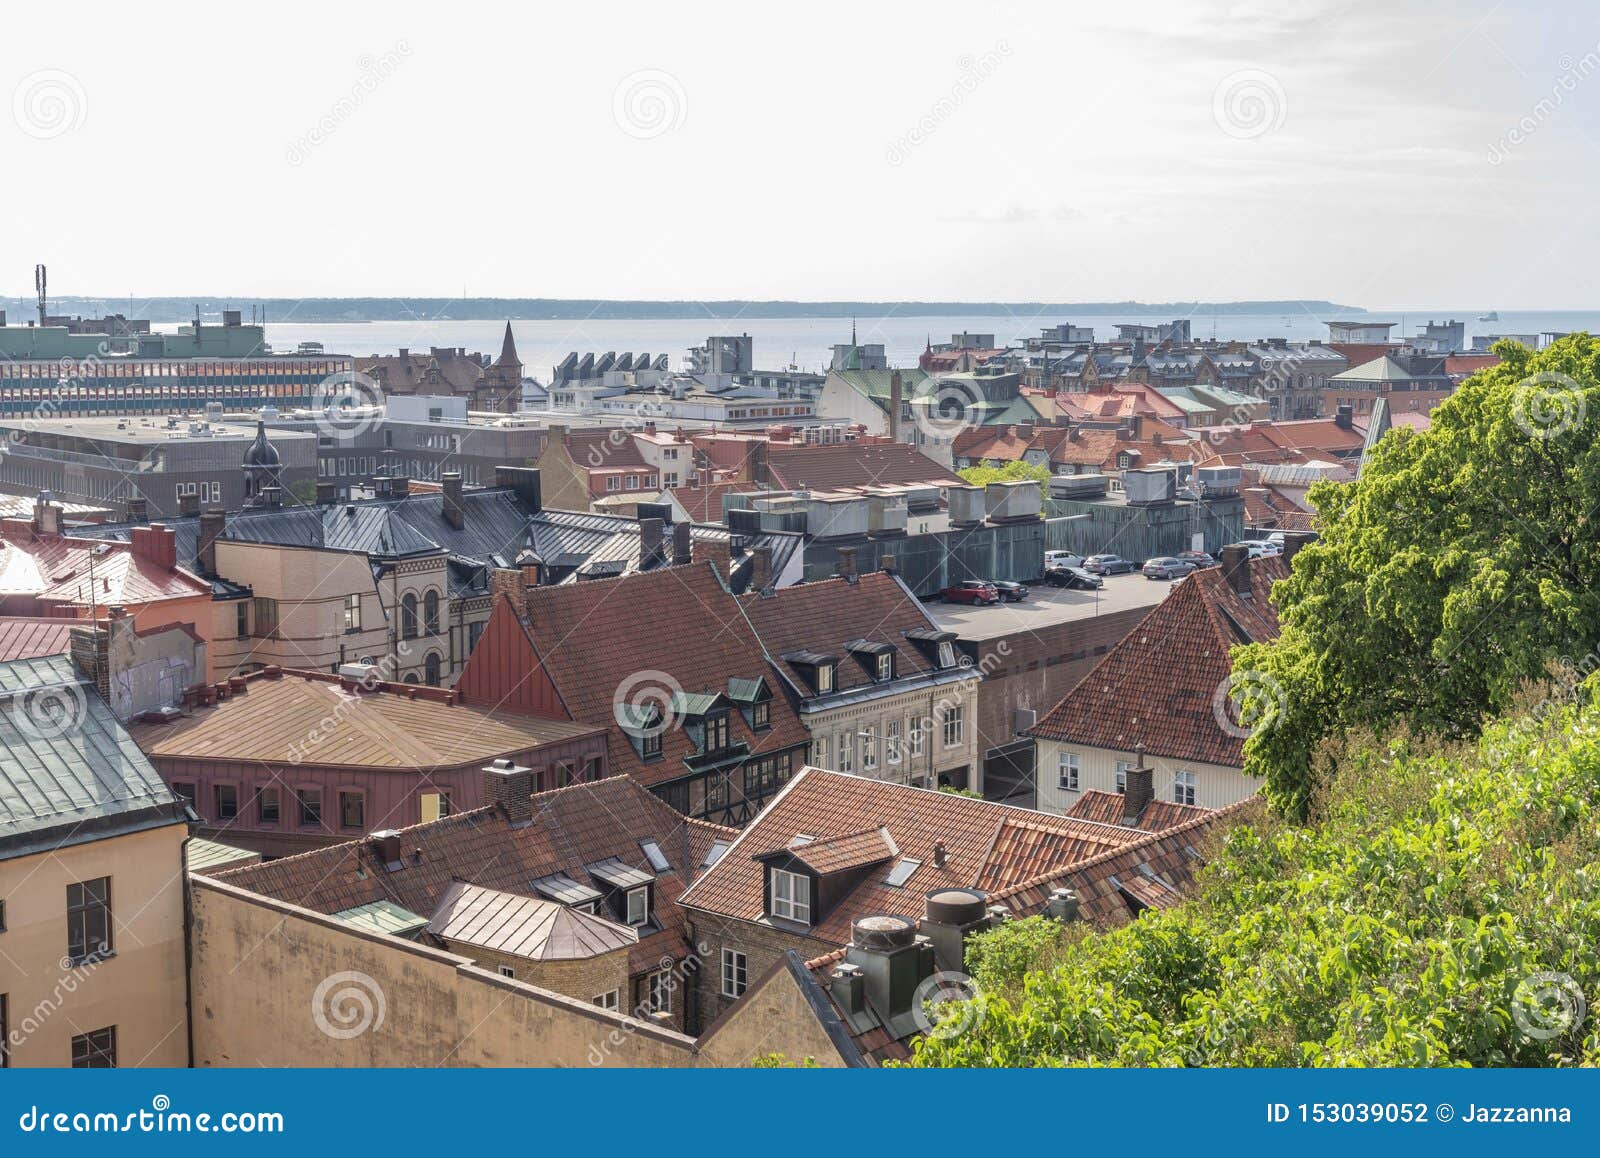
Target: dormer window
point(876, 659)
point(817, 669)
point(791, 896)
point(716, 733)
point(886, 666)
point(754, 700)
point(639, 906)
point(760, 715)
point(824, 678)
point(947, 655)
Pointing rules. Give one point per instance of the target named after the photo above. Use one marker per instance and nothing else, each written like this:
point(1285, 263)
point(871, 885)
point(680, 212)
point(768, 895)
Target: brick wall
point(762, 946)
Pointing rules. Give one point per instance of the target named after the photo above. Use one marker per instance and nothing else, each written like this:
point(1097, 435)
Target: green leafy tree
point(1011, 472)
point(1460, 565)
point(1442, 912)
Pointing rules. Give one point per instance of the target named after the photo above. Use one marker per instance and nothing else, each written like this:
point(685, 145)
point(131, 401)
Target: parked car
point(1009, 591)
point(1109, 565)
point(1073, 577)
point(1201, 559)
point(1054, 559)
point(1167, 567)
point(1261, 547)
point(977, 591)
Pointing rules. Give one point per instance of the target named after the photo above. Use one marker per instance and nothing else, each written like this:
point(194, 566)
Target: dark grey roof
point(69, 772)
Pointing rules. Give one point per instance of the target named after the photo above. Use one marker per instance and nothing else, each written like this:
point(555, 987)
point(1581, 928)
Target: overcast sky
point(1369, 153)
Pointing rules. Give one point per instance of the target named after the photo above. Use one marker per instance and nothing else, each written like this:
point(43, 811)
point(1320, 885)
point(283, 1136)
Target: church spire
point(508, 349)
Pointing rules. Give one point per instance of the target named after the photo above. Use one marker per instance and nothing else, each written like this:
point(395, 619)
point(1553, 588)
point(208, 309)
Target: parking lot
point(1048, 605)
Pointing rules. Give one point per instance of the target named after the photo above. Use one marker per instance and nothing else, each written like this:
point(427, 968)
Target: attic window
point(886, 666)
point(714, 853)
point(902, 872)
point(947, 655)
point(824, 678)
point(653, 854)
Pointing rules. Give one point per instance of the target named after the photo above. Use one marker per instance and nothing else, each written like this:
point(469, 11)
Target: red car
point(971, 591)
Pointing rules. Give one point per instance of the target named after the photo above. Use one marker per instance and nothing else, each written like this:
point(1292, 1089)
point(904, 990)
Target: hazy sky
point(1376, 154)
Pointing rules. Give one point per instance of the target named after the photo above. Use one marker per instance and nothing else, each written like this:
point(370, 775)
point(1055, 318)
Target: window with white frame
point(607, 1000)
point(639, 905)
point(1122, 775)
point(886, 666)
point(847, 753)
point(735, 973)
point(819, 751)
point(1183, 787)
point(869, 747)
point(791, 896)
point(954, 725)
point(891, 742)
point(1067, 772)
point(918, 736)
point(658, 992)
point(508, 971)
point(352, 612)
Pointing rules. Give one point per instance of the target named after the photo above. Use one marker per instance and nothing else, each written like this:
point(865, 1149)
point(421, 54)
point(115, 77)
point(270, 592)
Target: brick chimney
point(157, 543)
point(1293, 541)
point(46, 514)
point(1140, 789)
point(327, 494)
point(188, 505)
point(1344, 416)
point(455, 513)
point(888, 564)
point(760, 463)
point(847, 564)
point(761, 569)
point(510, 581)
point(212, 525)
point(138, 510)
point(1236, 568)
point(650, 543)
point(510, 786)
point(682, 544)
point(399, 486)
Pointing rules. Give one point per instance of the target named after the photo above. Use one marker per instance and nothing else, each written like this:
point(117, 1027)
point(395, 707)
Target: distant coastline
point(716, 314)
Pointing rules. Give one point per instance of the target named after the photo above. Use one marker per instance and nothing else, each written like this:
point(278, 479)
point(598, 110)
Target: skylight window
point(902, 871)
point(654, 855)
point(714, 853)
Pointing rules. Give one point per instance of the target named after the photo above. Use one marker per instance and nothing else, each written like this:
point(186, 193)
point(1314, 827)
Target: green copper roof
point(384, 917)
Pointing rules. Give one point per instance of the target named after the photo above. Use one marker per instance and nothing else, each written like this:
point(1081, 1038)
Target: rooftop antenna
point(39, 285)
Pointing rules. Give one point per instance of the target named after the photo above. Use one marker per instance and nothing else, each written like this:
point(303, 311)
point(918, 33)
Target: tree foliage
point(1460, 565)
point(1011, 472)
point(1444, 911)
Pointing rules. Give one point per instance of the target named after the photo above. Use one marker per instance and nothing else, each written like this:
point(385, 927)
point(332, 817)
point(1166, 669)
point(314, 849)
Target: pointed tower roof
point(508, 349)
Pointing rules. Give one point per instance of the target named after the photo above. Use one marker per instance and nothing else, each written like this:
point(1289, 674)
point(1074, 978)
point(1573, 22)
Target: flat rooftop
point(150, 430)
point(1047, 606)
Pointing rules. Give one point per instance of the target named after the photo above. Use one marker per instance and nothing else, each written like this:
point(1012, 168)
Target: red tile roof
point(852, 465)
point(82, 573)
point(825, 615)
point(986, 846)
point(1110, 807)
point(572, 827)
point(1160, 686)
point(674, 627)
point(704, 502)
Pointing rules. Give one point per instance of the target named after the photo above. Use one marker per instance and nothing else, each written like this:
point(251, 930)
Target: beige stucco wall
point(268, 980)
point(584, 979)
point(772, 1017)
point(139, 989)
point(1215, 784)
point(909, 708)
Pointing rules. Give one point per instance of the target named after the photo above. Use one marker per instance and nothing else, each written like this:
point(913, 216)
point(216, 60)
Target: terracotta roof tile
point(1158, 686)
point(572, 827)
point(986, 845)
point(845, 465)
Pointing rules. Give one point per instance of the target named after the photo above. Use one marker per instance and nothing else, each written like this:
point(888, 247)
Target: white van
point(1054, 560)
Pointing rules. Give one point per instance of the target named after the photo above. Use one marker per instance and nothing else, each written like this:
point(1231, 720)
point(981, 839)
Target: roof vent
point(883, 934)
point(386, 847)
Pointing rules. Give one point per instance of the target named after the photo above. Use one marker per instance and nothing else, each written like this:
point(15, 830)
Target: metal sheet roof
point(69, 772)
point(525, 926)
